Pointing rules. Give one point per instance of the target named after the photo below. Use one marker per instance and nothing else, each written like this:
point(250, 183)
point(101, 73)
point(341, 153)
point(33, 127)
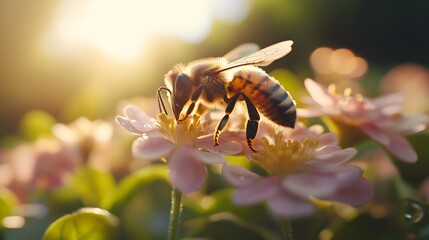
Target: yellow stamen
point(332, 89)
point(185, 132)
point(347, 92)
point(284, 157)
point(359, 97)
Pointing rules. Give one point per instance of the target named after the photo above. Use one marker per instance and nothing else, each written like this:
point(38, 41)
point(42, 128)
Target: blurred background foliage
point(73, 58)
point(60, 60)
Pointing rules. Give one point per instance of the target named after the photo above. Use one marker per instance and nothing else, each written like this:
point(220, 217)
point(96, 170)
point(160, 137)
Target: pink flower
point(44, 165)
point(299, 169)
point(91, 138)
point(380, 118)
point(186, 147)
point(54, 165)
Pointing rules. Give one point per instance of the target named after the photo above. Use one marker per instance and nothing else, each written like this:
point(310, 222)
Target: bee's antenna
point(161, 105)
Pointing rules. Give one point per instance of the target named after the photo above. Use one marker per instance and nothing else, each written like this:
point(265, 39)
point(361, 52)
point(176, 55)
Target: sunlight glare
point(121, 29)
point(13, 222)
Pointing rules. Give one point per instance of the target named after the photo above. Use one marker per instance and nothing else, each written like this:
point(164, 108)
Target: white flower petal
point(410, 124)
point(311, 184)
point(356, 194)
point(327, 149)
point(335, 157)
point(226, 146)
point(187, 173)
point(139, 119)
point(151, 148)
point(396, 144)
point(319, 93)
point(346, 174)
point(261, 190)
point(316, 129)
point(103, 132)
point(289, 206)
point(238, 176)
point(391, 101)
point(401, 148)
point(126, 124)
point(209, 157)
point(300, 132)
point(376, 133)
point(64, 133)
point(308, 112)
point(328, 139)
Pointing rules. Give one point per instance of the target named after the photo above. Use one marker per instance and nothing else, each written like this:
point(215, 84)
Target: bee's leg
point(201, 109)
point(194, 98)
point(251, 126)
point(222, 123)
point(253, 122)
point(161, 105)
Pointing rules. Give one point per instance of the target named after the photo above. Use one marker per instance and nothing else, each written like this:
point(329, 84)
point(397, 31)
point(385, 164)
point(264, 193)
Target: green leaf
point(36, 124)
point(145, 214)
point(94, 185)
point(367, 227)
point(218, 208)
point(227, 226)
point(143, 195)
point(132, 184)
point(7, 203)
point(221, 201)
point(86, 223)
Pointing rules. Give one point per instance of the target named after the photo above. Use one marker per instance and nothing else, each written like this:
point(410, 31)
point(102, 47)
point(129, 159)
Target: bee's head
point(181, 88)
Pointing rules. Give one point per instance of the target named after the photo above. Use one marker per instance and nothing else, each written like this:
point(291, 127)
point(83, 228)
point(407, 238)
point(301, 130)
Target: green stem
point(176, 209)
point(287, 229)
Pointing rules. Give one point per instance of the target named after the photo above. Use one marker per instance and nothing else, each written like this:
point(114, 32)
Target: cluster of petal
point(380, 118)
point(85, 135)
point(186, 147)
point(93, 140)
point(44, 165)
point(299, 169)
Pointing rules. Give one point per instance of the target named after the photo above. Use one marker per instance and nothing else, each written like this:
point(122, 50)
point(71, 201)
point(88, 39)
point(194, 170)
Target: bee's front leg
point(194, 98)
point(161, 105)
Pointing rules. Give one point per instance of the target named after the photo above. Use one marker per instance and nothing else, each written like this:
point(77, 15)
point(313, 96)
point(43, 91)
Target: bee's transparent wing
point(262, 57)
point(241, 51)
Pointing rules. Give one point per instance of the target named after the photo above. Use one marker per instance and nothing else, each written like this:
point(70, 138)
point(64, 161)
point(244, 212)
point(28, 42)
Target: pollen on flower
point(347, 92)
point(285, 157)
point(185, 132)
point(332, 89)
point(359, 97)
point(352, 106)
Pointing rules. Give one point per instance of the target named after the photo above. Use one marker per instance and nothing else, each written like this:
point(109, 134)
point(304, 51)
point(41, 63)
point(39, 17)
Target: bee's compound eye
point(182, 89)
point(182, 93)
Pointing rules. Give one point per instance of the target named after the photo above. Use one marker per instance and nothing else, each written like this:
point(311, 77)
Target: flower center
point(355, 109)
point(285, 157)
point(185, 132)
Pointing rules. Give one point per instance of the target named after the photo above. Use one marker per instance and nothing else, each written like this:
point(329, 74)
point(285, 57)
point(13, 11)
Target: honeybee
point(222, 81)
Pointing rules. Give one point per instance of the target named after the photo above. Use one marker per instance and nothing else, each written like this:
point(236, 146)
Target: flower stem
point(175, 211)
point(287, 229)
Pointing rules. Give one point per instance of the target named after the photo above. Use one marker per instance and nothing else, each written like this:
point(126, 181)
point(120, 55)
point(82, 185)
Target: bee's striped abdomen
point(269, 97)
